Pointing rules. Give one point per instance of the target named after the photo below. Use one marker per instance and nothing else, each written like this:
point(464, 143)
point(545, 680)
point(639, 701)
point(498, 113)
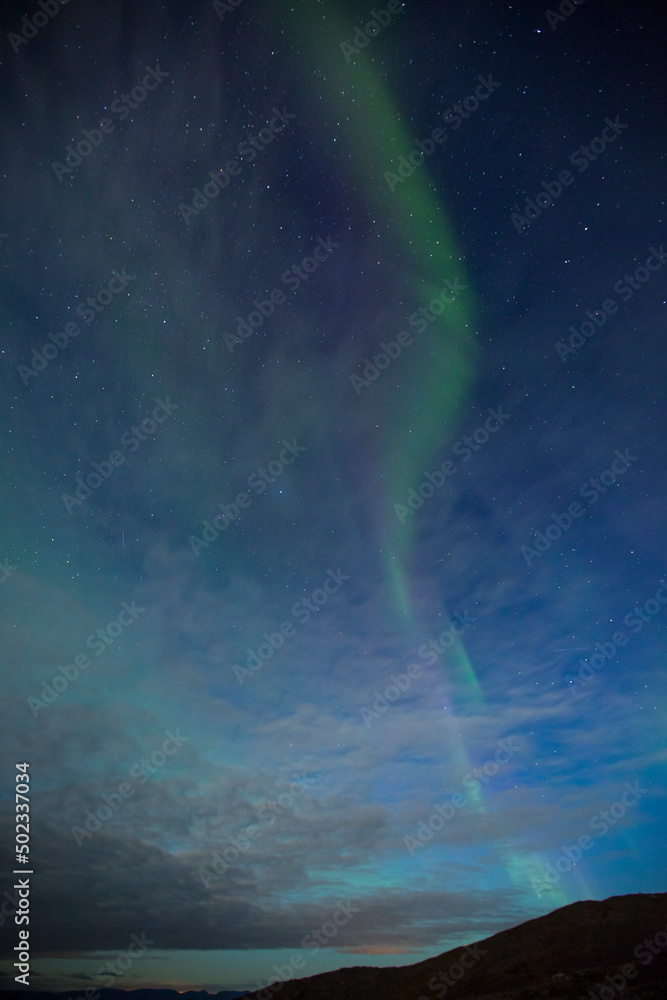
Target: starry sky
point(333, 535)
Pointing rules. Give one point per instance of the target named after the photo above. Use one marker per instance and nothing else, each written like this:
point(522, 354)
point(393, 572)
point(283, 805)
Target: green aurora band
point(439, 370)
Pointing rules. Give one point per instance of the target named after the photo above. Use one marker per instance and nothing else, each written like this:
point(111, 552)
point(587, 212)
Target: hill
point(617, 947)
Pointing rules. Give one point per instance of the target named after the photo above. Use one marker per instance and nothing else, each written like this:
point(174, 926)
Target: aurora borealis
point(331, 580)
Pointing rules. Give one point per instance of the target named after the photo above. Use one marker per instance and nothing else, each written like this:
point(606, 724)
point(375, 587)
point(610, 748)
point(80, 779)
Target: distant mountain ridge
point(589, 950)
point(121, 994)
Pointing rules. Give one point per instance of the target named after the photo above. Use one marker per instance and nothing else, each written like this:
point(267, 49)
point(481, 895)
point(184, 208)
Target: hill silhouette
point(615, 948)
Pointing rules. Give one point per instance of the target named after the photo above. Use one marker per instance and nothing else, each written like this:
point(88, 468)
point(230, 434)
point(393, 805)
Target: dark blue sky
point(332, 605)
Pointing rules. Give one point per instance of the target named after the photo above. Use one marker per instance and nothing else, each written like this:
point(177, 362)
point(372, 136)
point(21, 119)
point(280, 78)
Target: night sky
point(333, 560)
